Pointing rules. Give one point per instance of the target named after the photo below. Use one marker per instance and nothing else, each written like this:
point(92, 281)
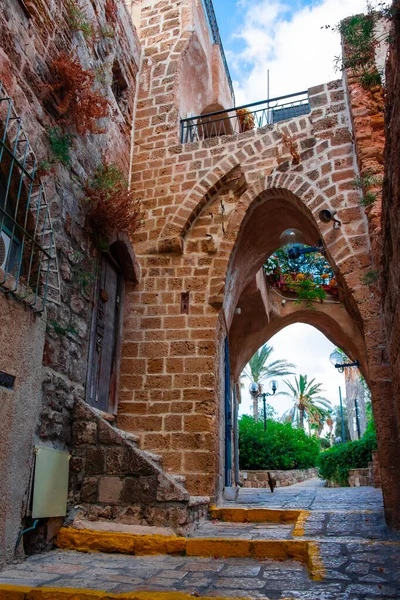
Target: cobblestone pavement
point(361, 556)
point(355, 571)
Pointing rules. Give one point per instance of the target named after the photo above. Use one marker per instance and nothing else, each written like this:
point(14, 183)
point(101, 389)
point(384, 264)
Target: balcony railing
point(216, 38)
point(244, 118)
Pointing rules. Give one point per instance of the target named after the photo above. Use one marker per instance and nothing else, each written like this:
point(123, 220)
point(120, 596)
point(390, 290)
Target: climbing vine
point(360, 41)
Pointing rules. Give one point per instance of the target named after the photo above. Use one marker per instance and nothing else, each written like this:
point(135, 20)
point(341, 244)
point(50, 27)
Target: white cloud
point(298, 53)
point(309, 350)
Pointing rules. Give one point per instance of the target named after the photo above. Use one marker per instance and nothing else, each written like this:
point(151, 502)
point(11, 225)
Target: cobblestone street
point(360, 555)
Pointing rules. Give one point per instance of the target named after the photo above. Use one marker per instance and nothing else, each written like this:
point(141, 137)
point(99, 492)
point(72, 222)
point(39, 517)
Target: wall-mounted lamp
point(326, 216)
point(293, 239)
point(337, 358)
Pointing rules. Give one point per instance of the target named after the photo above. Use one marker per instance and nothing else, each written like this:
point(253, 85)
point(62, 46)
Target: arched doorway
point(270, 213)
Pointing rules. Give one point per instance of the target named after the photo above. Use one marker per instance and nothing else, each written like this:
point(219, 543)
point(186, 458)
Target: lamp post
point(336, 359)
point(254, 389)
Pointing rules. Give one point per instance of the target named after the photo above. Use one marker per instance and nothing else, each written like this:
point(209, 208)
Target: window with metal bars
point(28, 261)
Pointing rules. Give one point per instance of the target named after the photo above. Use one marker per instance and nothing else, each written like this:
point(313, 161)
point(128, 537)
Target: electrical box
point(50, 484)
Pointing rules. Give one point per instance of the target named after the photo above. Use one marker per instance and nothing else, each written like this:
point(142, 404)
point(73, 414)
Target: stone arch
point(253, 327)
point(306, 200)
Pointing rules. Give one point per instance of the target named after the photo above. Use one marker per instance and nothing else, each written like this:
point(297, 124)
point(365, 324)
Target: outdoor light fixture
point(290, 237)
point(293, 240)
point(336, 359)
point(254, 390)
point(326, 216)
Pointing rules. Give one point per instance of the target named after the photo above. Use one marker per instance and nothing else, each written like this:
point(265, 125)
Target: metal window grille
point(216, 38)
point(28, 259)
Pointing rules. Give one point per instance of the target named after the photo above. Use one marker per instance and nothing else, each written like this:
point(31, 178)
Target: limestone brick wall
point(259, 479)
point(171, 392)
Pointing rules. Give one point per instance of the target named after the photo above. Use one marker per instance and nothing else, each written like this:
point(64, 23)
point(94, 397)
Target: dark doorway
point(105, 337)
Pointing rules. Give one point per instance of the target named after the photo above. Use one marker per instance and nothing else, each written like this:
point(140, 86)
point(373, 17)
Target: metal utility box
point(50, 484)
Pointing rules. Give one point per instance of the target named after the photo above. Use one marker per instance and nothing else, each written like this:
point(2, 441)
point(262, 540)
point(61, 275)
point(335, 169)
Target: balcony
point(244, 118)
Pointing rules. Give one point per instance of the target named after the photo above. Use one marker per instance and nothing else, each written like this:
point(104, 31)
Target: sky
point(309, 350)
point(284, 37)
point(290, 39)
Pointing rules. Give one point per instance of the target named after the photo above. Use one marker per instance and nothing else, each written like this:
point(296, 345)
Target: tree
point(308, 403)
point(259, 370)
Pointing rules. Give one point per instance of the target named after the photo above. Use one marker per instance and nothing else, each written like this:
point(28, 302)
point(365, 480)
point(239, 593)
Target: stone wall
point(110, 478)
point(32, 36)
point(259, 479)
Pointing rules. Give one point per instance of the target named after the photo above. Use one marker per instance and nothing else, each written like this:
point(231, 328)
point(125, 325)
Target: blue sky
point(284, 36)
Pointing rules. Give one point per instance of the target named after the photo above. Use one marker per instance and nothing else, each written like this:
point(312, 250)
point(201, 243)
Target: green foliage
point(324, 443)
point(370, 278)
point(368, 199)
point(308, 291)
point(359, 36)
point(60, 145)
point(279, 447)
point(307, 402)
point(78, 21)
point(260, 368)
point(334, 464)
point(61, 331)
point(107, 31)
point(314, 263)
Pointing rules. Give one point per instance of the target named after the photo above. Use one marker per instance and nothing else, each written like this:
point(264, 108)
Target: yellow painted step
point(86, 540)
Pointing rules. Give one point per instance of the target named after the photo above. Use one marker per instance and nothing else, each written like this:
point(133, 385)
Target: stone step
point(178, 478)
point(153, 457)
point(127, 435)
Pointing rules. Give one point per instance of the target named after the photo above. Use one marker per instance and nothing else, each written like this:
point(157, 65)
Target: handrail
point(239, 119)
point(235, 108)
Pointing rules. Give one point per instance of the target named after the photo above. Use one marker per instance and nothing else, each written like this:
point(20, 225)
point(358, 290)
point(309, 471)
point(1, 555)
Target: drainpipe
point(236, 437)
point(135, 101)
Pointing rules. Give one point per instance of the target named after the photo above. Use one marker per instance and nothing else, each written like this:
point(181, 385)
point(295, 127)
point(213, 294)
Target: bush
point(281, 446)
point(334, 464)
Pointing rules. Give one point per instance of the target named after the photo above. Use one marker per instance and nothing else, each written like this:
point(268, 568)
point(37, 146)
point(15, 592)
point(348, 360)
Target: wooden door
point(104, 350)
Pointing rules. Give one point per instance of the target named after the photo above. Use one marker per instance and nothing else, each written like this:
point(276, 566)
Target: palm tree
point(307, 401)
point(258, 370)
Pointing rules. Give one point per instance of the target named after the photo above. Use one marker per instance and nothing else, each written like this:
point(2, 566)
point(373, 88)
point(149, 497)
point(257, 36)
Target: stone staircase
point(113, 480)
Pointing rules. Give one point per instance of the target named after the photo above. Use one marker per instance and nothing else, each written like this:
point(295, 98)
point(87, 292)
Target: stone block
point(139, 465)
point(107, 434)
point(95, 460)
point(84, 432)
point(89, 489)
point(169, 491)
point(140, 490)
point(110, 489)
point(117, 460)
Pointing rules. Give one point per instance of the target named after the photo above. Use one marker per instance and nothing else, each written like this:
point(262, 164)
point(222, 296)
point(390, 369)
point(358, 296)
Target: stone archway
point(257, 236)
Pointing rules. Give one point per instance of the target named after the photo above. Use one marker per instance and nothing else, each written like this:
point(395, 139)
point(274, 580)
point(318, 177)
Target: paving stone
point(240, 572)
point(360, 568)
point(240, 584)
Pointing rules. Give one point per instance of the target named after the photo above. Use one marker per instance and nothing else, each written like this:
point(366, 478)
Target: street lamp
point(254, 389)
point(336, 359)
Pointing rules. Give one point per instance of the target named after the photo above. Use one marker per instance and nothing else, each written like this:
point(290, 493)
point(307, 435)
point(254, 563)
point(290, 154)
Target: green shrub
point(281, 446)
point(334, 464)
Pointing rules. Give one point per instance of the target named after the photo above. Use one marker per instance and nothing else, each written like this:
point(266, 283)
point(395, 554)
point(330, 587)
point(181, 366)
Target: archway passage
point(262, 314)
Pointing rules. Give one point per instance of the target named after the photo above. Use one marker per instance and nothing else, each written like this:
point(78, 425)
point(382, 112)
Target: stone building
point(123, 348)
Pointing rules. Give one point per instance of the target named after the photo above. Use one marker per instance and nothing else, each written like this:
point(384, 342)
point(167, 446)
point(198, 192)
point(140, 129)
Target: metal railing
point(28, 260)
point(244, 118)
point(216, 38)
